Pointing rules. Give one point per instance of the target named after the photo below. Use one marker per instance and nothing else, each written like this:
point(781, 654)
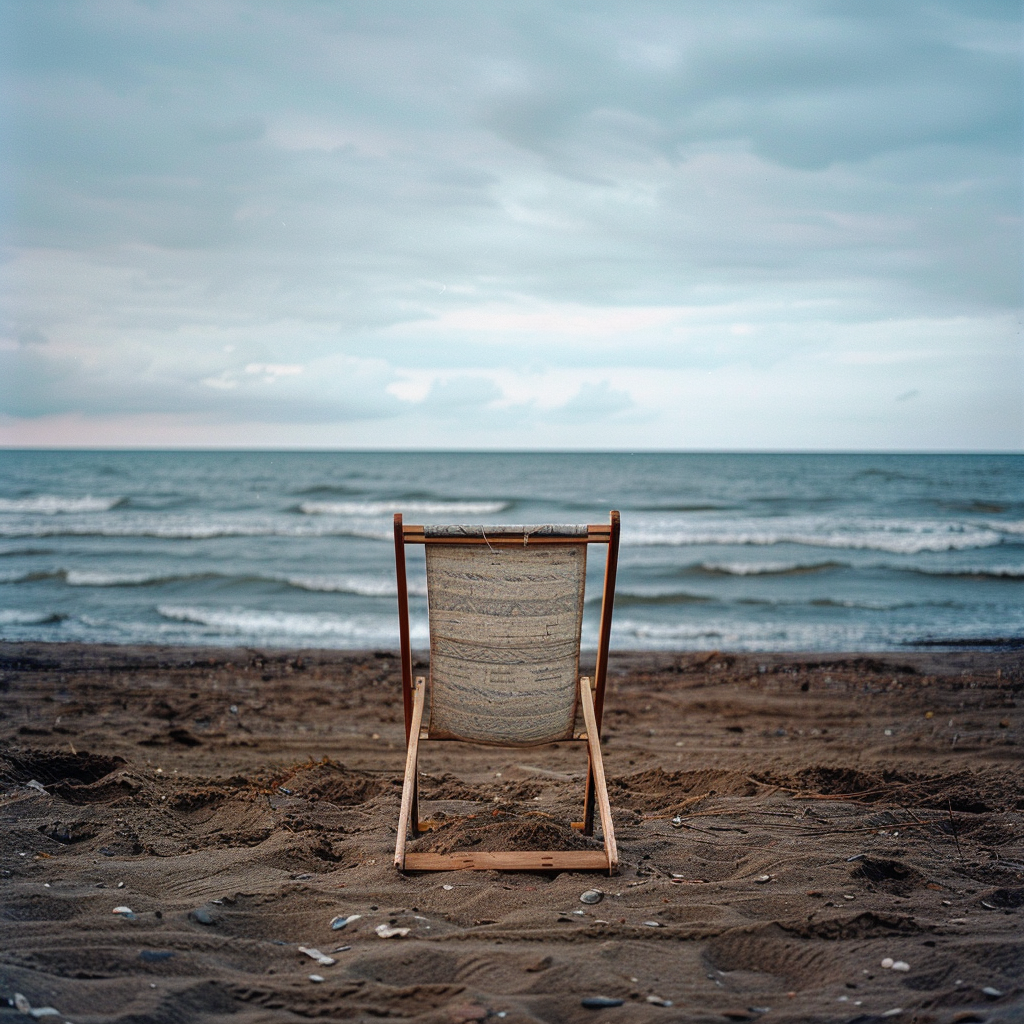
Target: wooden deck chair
point(506, 608)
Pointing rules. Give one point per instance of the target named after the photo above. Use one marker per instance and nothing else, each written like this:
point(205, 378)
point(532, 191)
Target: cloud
point(594, 402)
point(430, 206)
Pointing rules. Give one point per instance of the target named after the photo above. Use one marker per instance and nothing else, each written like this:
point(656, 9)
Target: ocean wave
point(993, 572)
point(759, 636)
point(54, 504)
point(96, 578)
point(766, 568)
point(380, 508)
point(195, 528)
point(363, 629)
point(20, 617)
point(360, 585)
point(638, 598)
point(364, 586)
point(892, 536)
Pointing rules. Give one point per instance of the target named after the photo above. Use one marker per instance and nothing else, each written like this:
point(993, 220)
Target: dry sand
point(830, 811)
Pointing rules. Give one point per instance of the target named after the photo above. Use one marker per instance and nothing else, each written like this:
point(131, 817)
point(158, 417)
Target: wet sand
point(785, 823)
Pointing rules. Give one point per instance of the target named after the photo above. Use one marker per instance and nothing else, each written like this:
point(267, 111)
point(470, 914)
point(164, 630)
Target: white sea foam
point(903, 537)
point(356, 629)
point(52, 504)
point(761, 636)
point(86, 578)
point(193, 527)
point(364, 586)
point(765, 568)
point(380, 508)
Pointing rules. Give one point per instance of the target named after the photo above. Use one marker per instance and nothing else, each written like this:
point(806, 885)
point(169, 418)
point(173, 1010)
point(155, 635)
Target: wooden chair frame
point(591, 697)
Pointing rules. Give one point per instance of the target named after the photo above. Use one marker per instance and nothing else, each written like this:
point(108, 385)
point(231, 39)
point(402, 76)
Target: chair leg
point(597, 768)
point(410, 801)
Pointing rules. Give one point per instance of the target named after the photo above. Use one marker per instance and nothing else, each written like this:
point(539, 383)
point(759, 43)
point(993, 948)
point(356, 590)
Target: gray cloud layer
point(373, 200)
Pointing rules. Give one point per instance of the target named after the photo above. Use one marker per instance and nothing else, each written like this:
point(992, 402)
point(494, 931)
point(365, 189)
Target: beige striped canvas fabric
point(504, 641)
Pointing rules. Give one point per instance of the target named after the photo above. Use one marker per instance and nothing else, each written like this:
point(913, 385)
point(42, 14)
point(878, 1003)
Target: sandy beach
point(786, 825)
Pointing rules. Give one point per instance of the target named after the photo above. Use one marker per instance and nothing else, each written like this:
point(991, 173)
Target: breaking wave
point(766, 568)
point(380, 508)
point(364, 586)
point(54, 504)
point(894, 537)
point(196, 528)
point(354, 630)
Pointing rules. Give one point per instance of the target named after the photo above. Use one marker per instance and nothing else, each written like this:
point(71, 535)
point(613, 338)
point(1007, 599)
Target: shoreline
point(785, 820)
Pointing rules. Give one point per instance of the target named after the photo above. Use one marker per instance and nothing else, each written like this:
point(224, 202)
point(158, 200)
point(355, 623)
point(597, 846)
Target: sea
point(755, 552)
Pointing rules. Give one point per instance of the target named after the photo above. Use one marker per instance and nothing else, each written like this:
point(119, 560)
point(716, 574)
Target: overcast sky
point(723, 224)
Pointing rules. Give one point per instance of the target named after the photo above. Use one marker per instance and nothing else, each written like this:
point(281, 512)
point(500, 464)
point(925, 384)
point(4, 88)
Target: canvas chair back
point(505, 628)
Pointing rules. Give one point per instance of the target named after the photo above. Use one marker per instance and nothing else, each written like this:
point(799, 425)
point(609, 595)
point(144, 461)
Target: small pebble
point(600, 1002)
point(316, 978)
point(901, 965)
point(591, 896)
point(653, 924)
point(895, 1012)
point(120, 885)
point(992, 993)
point(201, 916)
point(321, 958)
point(126, 912)
point(385, 931)
point(32, 784)
point(888, 962)
point(448, 888)
point(761, 879)
point(339, 922)
point(658, 1001)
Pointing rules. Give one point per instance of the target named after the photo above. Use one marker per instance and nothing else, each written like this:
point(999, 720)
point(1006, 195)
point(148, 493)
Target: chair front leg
point(597, 769)
point(410, 795)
